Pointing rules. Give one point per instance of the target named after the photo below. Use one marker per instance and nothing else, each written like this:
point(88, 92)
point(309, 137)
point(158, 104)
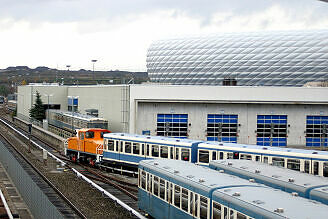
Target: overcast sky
point(117, 33)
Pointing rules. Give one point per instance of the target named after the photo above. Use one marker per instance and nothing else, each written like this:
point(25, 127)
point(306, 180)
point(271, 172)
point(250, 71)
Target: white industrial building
point(278, 116)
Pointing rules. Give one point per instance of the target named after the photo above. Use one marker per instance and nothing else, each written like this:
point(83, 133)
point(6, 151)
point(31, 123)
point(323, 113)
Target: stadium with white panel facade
point(252, 59)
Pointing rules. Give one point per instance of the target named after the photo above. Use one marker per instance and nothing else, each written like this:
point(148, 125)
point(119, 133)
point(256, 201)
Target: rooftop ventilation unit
point(279, 210)
point(236, 194)
point(291, 180)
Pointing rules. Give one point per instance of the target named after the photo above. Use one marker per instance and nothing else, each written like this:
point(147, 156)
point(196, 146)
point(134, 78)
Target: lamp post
point(93, 67)
point(48, 95)
point(67, 66)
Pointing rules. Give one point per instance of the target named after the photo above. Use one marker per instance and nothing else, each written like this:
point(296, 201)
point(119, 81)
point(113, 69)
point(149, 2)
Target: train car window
point(81, 135)
point(110, 145)
point(280, 162)
point(185, 155)
point(136, 148)
point(325, 169)
point(191, 203)
point(216, 212)
point(265, 160)
point(89, 134)
point(235, 155)
point(232, 214)
point(147, 149)
point(241, 216)
point(315, 167)
point(245, 157)
point(156, 186)
point(143, 179)
point(154, 151)
point(150, 184)
point(128, 147)
point(203, 156)
point(162, 189)
point(139, 178)
point(169, 192)
point(293, 164)
point(203, 207)
point(221, 155)
point(225, 212)
point(171, 152)
point(121, 146)
point(257, 158)
point(142, 149)
point(184, 199)
point(177, 194)
point(214, 155)
point(307, 166)
point(177, 153)
point(229, 155)
point(196, 205)
point(164, 152)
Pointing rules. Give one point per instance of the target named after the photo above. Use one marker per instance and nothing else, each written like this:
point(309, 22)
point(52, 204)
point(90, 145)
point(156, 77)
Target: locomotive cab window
point(102, 134)
point(81, 135)
point(89, 134)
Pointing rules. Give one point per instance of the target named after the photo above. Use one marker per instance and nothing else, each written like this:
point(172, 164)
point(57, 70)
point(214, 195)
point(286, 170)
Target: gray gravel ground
point(90, 201)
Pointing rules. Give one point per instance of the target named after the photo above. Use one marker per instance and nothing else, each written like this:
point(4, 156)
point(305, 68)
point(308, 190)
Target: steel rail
point(4, 202)
point(78, 212)
point(80, 175)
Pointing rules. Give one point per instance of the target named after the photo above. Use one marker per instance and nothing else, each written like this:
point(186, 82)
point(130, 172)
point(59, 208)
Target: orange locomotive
point(87, 146)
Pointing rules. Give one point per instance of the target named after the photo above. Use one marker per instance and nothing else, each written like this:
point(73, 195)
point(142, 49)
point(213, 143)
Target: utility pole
point(93, 68)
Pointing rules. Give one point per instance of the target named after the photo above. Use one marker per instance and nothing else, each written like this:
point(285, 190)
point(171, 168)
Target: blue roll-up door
point(317, 131)
point(172, 125)
point(222, 127)
point(272, 130)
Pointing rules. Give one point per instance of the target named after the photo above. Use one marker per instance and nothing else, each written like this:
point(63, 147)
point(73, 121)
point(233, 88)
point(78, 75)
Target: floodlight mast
point(93, 67)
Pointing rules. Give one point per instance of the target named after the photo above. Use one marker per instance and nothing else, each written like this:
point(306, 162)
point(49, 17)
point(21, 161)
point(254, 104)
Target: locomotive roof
point(77, 115)
point(280, 174)
point(264, 148)
point(226, 186)
point(155, 139)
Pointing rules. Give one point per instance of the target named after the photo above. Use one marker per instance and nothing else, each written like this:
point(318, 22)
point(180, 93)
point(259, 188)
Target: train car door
point(81, 141)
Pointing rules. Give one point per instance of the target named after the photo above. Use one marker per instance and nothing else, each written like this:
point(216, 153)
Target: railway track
point(122, 189)
point(67, 209)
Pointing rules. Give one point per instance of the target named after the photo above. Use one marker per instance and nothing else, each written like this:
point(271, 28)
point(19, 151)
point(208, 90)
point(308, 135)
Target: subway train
point(129, 149)
point(177, 189)
point(305, 185)
point(71, 121)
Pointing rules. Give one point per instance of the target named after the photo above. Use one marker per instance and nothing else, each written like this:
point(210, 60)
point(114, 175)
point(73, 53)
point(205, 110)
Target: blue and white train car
point(308, 161)
point(305, 185)
point(130, 149)
point(176, 189)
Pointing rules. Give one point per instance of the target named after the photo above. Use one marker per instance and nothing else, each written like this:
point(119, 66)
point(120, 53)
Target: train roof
point(152, 139)
point(271, 202)
point(93, 129)
point(271, 149)
point(270, 172)
point(77, 115)
point(199, 176)
point(256, 197)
